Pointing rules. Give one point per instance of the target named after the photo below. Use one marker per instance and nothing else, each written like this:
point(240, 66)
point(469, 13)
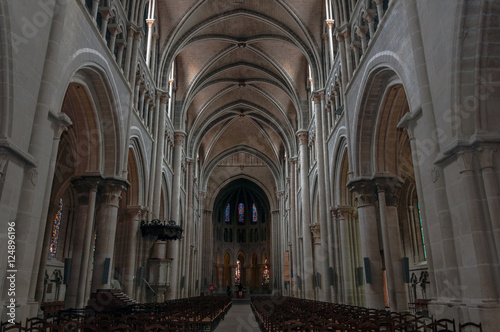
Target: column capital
point(316, 233)
point(134, 210)
point(87, 182)
point(464, 159)
point(293, 160)
point(318, 95)
point(342, 211)
point(486, 157)
point(303, 135)
point(391, 187)
point(114, 29)
point(179, 137)
point(364, 190)
point(111, 190)
point(330, 23)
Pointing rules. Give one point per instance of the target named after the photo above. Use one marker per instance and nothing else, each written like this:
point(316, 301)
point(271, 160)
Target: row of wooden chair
point(277, 314)
point(191, 314)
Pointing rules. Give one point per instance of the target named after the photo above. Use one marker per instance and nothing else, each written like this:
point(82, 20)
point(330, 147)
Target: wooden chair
point(441, 325)
point(470, 326)
point(14, 327)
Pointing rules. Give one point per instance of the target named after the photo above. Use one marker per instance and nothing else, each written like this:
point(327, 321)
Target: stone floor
point(239, 318)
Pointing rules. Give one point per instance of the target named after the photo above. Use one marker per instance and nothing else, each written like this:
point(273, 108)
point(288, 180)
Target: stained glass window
point(265, 275)
point(93, 249)
point(254, 213)
point(241, 213)
point(228, 210)
point(55, 231)
point(422, 231)
point(237, 273)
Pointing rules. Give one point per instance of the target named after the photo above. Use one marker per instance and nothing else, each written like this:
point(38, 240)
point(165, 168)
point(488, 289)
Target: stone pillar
point(150, 23)
point(491, 186)
point(370, 247)
point(307, 262)
point(82, 209)
point(153, 56)
point(135, 54)
point(110, 194)
point(95, 8)
point(160, 139)
point(322, 254)
point(343, 65)
point(91, 185)
point(361, 32)
point(369, 16)
point(189, 230)
point(348, 276)
point(330, 40)
point(128, 54)
point(348, 56)
point(179, 137)
point(293, 227)
point(106, 15)
point(114, 30)
point(133, 235)
point(119, 56)
point(388, 190)
point(380, 9)
point(473, 240)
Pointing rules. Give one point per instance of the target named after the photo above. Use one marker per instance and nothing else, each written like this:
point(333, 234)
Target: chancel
point(197, 159)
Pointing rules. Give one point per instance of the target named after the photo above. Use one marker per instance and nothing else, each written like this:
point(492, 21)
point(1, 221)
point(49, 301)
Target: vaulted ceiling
point(241, 73)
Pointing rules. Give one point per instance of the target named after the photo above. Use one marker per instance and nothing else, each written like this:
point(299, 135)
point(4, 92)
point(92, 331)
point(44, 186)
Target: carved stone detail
point(364, 191)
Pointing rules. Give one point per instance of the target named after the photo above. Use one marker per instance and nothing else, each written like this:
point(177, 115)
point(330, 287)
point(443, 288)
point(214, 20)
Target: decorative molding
point(316, 233)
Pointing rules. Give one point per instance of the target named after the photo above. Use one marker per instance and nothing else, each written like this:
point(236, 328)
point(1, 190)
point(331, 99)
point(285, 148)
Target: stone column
point(189, 230)
point(473, 239)
point(92, 185)
point(119, 56)
point(128, 54)
point(330, 40)
point(293, 227)
point(347, 41)
point(133, 235)
point(322, 254)
point(491, 186)
point(95, 7)
point(380, 9)
point(114, 30)
point(343, 64)
point(179, 138)
point(105, 15)
point(370, 247)
point(348, 281)
point(369, 16)
point(388, 190)
point(110, 193)
point(82, 209)
point(160, 139)
point(361, 32)
point(307, 262)
point(135, 54)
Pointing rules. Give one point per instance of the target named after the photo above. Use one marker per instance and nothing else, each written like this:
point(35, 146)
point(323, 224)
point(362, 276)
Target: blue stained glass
point(241, 213)
point(227, 216)
point(55, 231)
point(254, 213)
point(422, 231)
